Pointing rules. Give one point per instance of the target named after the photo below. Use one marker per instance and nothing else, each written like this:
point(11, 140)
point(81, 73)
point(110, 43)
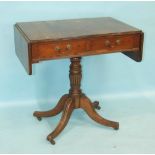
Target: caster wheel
point(39, 118)
point(96, 105)
point(51, 140)
point(35, 115)
point(117, 127)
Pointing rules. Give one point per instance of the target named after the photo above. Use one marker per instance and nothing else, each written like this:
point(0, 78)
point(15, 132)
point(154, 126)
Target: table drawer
point(58, 49)
point(115, 43)
point(82, 47)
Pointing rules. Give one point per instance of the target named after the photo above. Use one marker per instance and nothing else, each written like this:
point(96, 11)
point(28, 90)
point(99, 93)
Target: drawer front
point(115, 43)
point(82, 47)
point(57, 49)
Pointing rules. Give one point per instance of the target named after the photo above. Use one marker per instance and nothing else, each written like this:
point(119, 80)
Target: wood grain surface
point(47, 40)
point(74, 28)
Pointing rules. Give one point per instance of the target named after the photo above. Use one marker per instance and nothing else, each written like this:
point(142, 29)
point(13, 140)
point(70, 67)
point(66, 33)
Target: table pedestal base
point(75, 99)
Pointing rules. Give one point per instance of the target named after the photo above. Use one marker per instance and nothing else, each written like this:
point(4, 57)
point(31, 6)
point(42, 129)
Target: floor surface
point(20, 132)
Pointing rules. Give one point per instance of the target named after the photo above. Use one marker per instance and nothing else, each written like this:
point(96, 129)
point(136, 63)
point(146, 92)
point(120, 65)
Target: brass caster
point(51, 140)
point(39, 118)
point(96, 105)
point(35, 115)
point(116, 127)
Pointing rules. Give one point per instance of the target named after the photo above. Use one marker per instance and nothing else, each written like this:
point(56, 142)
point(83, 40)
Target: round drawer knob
point(69, 46)
point(107, 43)
point(57, 48)
point(118, 41)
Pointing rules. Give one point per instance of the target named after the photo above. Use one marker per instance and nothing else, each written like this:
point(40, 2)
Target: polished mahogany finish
point(73, 100)
point(47, 40)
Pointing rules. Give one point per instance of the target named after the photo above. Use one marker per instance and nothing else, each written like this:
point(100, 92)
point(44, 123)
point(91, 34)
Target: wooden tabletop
point(47, 40)
point(73, 28)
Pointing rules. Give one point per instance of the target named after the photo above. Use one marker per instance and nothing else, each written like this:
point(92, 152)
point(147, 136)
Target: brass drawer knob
point(118, 41)
point(69, 46)
point(107, 43)
point(57, 48)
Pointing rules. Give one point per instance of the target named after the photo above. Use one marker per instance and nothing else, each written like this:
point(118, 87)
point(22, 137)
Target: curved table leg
point(89, 108)
point(56, 110)
point(63, 122)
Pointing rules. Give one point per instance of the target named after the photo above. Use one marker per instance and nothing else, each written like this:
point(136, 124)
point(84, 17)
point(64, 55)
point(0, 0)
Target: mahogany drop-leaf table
point(75, 38)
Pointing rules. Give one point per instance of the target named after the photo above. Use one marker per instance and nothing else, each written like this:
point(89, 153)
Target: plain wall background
point(103, 75)
point(125, 89)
